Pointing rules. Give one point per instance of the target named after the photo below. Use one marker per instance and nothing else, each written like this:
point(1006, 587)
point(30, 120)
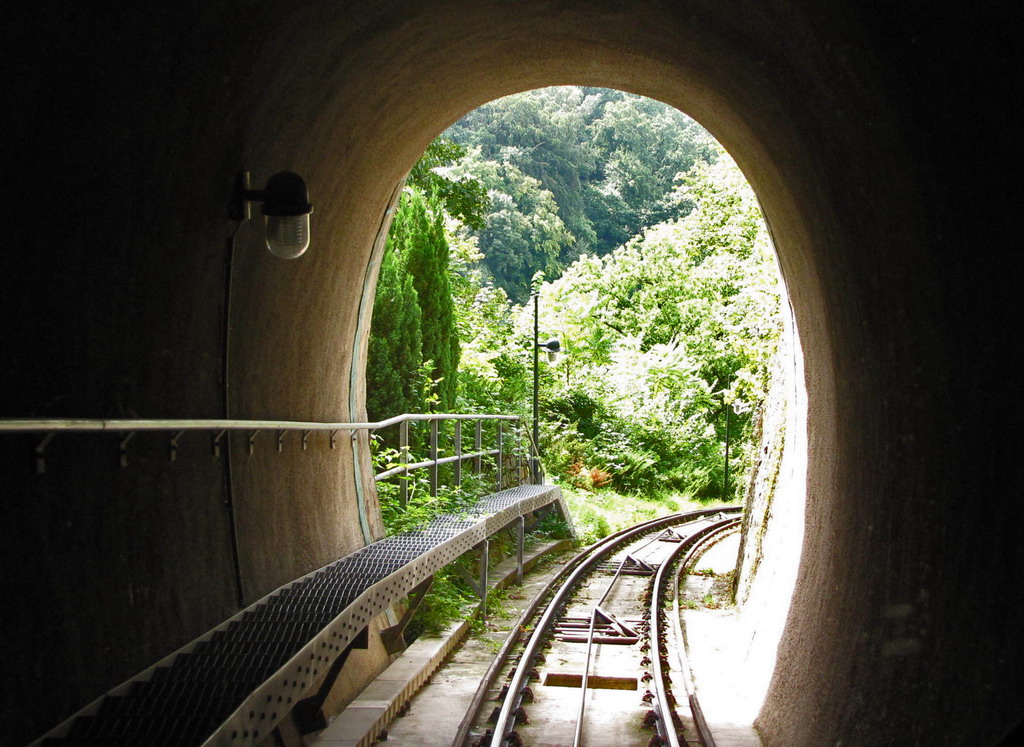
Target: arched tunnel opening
point(590, 392)
point(124, 133)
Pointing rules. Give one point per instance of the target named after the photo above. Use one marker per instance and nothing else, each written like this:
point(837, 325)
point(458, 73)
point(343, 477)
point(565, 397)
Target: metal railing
point(458, 453)
point(253, 428)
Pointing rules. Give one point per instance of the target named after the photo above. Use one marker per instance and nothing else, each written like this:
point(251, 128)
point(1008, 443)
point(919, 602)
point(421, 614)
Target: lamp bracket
point(241, 195)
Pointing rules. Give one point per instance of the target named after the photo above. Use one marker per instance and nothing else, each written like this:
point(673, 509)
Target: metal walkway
point(233, 685)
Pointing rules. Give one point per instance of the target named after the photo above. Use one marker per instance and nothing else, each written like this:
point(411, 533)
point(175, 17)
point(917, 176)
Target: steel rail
point(704, 734)
point(462, 736)
point(585, 679)
point(662, 705)
point(665, 725)
point(587, 560)
point(578, 734)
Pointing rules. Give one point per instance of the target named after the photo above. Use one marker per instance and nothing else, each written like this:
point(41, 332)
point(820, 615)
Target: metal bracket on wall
point(41, 453)
point(216, 444)
point(252, 441)
point(123, 448)
point(174, 445)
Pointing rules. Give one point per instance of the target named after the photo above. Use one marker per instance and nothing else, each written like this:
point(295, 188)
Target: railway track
point(595, 659)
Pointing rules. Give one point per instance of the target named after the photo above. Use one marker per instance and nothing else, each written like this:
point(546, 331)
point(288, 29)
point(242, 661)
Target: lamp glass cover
point(287, 235)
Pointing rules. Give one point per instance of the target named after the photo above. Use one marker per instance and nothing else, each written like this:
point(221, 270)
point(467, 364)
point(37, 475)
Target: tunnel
point(881, 142)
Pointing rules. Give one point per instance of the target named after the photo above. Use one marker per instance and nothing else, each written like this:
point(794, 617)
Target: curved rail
point(694, 545)
point(581, 566)
point(703, 730)
point(514, 636)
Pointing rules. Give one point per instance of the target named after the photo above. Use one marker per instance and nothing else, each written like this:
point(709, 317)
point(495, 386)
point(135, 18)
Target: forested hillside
point(573, 170)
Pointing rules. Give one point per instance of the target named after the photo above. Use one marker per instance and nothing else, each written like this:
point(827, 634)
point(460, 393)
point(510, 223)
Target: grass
point(450, 598)
point(594, 514)
point(604, 511)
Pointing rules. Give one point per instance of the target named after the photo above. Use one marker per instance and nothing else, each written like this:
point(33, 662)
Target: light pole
point(552, 347)
point(725, 486)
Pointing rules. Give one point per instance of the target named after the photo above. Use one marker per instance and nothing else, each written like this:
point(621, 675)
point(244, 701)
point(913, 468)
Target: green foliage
point(572, 170)
point(449, 599)
point(395, 347)
point(493, 372)
point(523, 232)
point(421, 506)
point(598, 515)
point(426, 260)
point(413, 355)
point(664, 339)
point(553, 526)
point(464, 198)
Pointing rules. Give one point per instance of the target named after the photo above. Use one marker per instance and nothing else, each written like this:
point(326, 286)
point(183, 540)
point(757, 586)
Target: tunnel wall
point(872, 137)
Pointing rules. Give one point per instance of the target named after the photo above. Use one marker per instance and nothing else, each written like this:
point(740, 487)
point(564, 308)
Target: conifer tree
point(426, 261)
point(395, 346)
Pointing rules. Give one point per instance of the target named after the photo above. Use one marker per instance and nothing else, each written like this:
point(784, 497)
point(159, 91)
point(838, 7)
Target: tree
point(395, 346)
point(426, 261)
point(605, 165)
point(523, 231)
point(414, 330)
point(664, 334)
point(464, 198)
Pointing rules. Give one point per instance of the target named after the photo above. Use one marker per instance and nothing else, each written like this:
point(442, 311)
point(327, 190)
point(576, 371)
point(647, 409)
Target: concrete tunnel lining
point(135, 125)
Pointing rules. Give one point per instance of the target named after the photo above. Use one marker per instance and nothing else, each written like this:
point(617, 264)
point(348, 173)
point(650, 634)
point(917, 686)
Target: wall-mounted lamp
point(285, 209)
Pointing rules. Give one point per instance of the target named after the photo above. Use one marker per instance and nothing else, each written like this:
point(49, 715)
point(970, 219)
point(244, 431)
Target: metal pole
point(535, 460)
point(520, 536)
point(458, 453)
point(478, 446)
point(499, 463)
point(433, 457)
point(484, 562)
point(403, 458)
point(725, 488)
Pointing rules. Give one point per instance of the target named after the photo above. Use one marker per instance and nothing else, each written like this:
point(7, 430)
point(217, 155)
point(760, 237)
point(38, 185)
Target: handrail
point(403, 468)
point(435, 460)
point(53, 426)
point(41, 425)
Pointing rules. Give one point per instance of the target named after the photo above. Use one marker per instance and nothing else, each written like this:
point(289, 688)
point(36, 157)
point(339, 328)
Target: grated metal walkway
point(236, 683)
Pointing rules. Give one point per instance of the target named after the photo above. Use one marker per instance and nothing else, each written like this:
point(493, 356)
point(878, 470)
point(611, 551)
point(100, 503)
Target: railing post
point(520, 535)
point(458, 453)
point(484, 559)
point(478, 446)
point(501, 456)
point(403, 458)
point(520, 477)
point(433, 456)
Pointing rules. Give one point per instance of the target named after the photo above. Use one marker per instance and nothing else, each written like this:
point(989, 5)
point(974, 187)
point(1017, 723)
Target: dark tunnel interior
point(881, 143)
